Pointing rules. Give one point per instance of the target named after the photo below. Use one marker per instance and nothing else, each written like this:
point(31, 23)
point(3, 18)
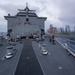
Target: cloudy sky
point(58, 12)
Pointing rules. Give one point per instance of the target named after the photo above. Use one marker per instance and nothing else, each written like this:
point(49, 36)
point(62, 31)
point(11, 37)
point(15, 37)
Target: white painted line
point(40, 62)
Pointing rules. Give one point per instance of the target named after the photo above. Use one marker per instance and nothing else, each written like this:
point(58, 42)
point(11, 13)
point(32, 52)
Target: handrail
point(66, 43)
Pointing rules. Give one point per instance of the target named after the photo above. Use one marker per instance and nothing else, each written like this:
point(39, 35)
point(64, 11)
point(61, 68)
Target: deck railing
point(68, 44)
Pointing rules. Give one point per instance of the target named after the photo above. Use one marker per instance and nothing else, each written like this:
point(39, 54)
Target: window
point(27, 19)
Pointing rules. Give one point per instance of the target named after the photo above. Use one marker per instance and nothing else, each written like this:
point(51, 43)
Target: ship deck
point(29, 60)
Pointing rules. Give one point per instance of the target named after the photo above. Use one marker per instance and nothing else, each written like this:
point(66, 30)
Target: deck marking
point(60, 67)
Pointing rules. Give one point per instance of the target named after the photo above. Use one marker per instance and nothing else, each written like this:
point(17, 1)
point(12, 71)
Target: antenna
point(26, 4)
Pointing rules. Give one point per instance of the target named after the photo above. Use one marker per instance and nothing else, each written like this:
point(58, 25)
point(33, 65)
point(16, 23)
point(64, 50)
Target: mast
point(26, 9)
point(26, 5)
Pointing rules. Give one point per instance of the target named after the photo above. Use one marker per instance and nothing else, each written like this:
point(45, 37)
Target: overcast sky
point(58, 12)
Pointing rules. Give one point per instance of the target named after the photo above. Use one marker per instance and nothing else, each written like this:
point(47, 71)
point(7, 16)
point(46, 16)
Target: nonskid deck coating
point(28, 63)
